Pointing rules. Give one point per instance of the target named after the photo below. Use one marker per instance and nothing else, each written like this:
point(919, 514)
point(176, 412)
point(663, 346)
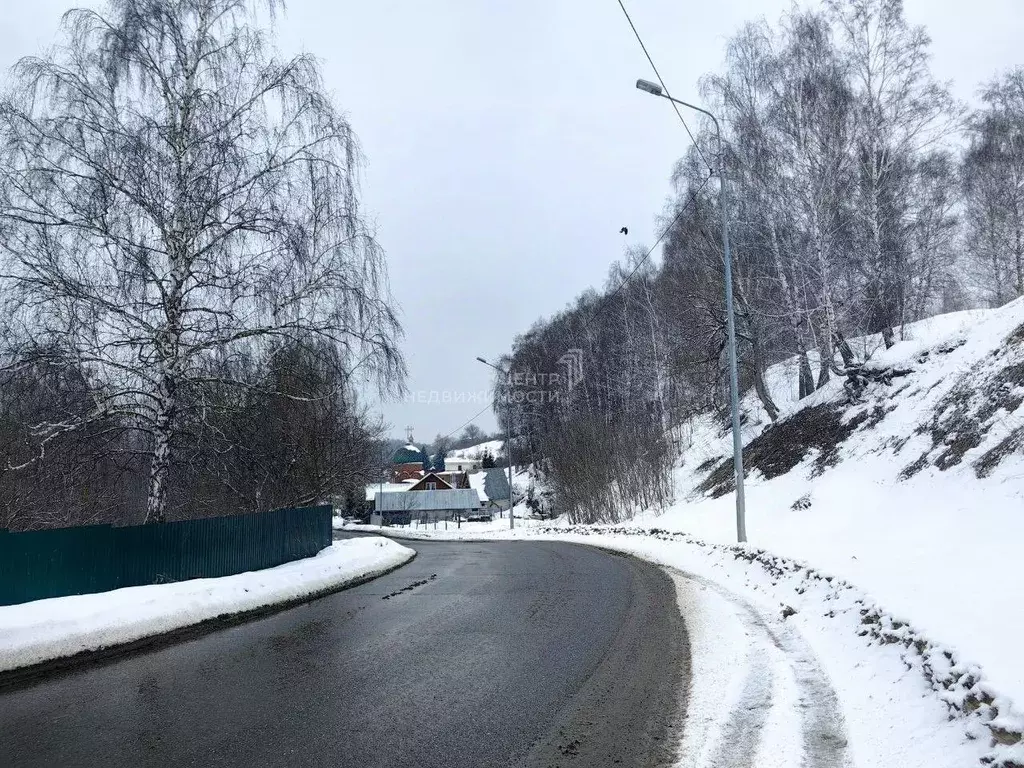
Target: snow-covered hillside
point(915, 493)
point(494, 447)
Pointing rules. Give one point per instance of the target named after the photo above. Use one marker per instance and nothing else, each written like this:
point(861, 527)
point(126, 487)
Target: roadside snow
point(826, 694)
point(936, 549)
point(43, 630)
point(716, 632)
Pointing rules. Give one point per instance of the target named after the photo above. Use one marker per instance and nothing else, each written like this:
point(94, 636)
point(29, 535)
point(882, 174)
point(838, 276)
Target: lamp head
point(647, 85)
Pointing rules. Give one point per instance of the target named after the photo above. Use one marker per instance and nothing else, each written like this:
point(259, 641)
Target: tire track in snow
point(741, 731)
point(824, 731)
point(822, 725)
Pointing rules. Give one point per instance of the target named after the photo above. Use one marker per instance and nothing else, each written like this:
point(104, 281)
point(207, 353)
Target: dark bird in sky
point(624, 230)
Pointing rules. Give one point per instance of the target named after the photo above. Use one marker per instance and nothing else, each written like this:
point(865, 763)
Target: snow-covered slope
point(477, 451)
point(915, 493)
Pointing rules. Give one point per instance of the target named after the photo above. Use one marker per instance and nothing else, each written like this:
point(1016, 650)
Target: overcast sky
point(507, 146)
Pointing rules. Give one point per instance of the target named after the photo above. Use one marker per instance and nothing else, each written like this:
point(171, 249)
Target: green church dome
point(407, 454)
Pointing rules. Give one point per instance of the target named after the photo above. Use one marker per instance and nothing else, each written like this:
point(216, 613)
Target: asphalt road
point(473, 654)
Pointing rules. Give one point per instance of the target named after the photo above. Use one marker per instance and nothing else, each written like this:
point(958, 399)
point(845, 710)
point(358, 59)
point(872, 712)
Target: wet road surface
point(474, 654)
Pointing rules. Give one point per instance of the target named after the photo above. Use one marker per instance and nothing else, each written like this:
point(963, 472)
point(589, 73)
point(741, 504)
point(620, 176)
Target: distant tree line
point(190, 296)
point(863, 196)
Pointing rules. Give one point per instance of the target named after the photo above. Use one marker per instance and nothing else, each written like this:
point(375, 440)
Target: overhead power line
point(665, 231)
point(665, 87)
point(472, 418)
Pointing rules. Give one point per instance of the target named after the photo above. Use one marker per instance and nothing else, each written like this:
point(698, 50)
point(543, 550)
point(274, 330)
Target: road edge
point(661, 748)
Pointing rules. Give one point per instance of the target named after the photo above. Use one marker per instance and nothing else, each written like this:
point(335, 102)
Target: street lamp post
point(382, 473)
point(734, 397)
point(508, 447)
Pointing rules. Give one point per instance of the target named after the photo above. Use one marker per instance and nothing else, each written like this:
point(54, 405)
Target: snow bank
point(935, 548)
point(43, 630)
point(901, 695)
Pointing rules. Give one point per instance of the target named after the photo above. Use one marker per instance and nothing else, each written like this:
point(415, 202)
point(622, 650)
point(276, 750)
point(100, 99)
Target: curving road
point(473, 654)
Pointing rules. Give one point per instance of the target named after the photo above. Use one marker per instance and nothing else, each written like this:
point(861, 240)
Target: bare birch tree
point(764, 205)
point(901, 111)
point(993, 185)
point(170, 188)
point(812, 121)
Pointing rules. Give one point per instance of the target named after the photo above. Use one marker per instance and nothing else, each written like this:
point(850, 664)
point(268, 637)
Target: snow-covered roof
point(453, 462)
point(477, 481)
point(375, 488)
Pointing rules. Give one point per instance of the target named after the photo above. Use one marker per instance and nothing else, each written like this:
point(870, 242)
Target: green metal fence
point(97, 558)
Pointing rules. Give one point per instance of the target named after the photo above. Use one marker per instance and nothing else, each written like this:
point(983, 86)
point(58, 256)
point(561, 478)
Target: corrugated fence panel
point(97, 558)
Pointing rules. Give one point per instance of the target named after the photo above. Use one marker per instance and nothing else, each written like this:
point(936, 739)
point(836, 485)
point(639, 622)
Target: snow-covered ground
point(494, 447)
point(786, 670)
point(43, 630)
point(909, 509)
point(931, 549)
